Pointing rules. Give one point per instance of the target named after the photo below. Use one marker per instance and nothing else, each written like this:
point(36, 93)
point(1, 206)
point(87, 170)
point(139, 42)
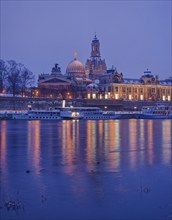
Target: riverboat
point(37, 115)
point(87, 113)
point(5, 115)
point(156, 112)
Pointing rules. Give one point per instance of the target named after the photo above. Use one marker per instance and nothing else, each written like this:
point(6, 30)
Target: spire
point(75, 55)
point(95, 36)
point(95, 47)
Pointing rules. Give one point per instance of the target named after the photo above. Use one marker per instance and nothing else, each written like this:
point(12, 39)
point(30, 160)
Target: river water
point(114, 169)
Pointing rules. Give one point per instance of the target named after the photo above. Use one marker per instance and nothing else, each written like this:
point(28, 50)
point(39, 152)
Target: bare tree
point(19, 78)
point(27, 79)
point(3, 75)
point(13, 78)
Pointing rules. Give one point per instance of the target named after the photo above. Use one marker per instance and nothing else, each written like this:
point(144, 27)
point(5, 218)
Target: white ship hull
point(37, 115)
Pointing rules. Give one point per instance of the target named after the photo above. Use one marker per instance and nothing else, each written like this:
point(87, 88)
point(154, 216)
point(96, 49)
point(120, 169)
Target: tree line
point(15, 78)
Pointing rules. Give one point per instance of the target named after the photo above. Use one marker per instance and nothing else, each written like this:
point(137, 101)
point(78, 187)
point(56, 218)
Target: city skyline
point(133, 35)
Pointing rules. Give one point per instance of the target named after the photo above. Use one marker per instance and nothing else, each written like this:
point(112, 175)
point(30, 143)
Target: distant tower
point(95, 47)
point(95, 64)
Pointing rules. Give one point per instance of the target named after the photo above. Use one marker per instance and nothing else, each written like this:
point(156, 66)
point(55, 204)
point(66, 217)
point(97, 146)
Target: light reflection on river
point(116, 169)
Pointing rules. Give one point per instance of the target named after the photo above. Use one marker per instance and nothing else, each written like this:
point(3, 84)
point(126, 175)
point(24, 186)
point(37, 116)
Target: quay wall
point(21, 103)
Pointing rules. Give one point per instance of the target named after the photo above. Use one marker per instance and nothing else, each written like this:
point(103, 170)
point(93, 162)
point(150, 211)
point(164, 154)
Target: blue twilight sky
point(134, 35)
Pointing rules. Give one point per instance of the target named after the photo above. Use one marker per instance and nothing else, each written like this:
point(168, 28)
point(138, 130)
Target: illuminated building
point(95, 66)
point(95, 81)
point(147, 87)
point(54, 84)
point(75, 69)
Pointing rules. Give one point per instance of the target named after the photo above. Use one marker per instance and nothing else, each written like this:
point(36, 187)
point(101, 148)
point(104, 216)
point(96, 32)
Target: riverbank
point(23, 103)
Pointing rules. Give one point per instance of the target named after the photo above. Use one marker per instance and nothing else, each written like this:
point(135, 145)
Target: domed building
point(75, 68)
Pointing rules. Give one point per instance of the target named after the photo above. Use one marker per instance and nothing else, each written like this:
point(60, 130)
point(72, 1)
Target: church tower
point(95, 47)
point(95, 65)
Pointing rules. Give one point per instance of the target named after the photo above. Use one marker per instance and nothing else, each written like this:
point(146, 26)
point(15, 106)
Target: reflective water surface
point(115, 169)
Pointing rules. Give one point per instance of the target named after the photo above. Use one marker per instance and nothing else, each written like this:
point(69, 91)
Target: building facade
point(95, 81)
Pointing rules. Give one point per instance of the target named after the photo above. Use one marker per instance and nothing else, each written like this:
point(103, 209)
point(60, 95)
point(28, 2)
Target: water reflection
point(112, 144)
point(33, 140)
point(91, 143)
point(70, 141)
point(3, 144)
point(166, 140)
point(150, 130)
point(87, 165)
point(141, 142)
point(133, 144)
point(118, 144)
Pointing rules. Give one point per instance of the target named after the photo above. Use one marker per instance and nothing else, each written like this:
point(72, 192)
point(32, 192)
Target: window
point(141, 97)
point(116, 96)
point(94, 96)
point(153, 90)
point(88, 96)
point(123, 89)
point(129, 89)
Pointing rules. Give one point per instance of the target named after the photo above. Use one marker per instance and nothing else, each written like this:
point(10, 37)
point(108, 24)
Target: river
point(64, 169)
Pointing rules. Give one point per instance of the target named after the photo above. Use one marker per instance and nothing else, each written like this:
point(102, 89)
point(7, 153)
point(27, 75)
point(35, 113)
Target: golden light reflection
point(3, 144)
point(117, 135)
point(114, 146)
point(150, 141)
point(103, 139)
point(70, 140)
point(34, 143)
point(166, 140)
point(142, 140)
point(100, 131)
point(133, 145)
point(91, 144)
point(75, 133)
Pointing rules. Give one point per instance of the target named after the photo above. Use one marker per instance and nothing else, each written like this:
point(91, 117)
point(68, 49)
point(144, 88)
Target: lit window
point(141, 97)
point(130, 97)
point(116, 96)
point(94, 96)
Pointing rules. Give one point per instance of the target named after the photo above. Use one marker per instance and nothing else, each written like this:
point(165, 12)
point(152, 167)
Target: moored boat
point(156, 112)
point(87, 113)
point(37, 115)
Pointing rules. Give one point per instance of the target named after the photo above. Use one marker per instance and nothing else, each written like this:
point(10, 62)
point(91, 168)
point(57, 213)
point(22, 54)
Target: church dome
point(75, 67)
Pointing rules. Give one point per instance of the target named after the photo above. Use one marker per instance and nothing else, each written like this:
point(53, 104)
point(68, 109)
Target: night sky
point(134, 35)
